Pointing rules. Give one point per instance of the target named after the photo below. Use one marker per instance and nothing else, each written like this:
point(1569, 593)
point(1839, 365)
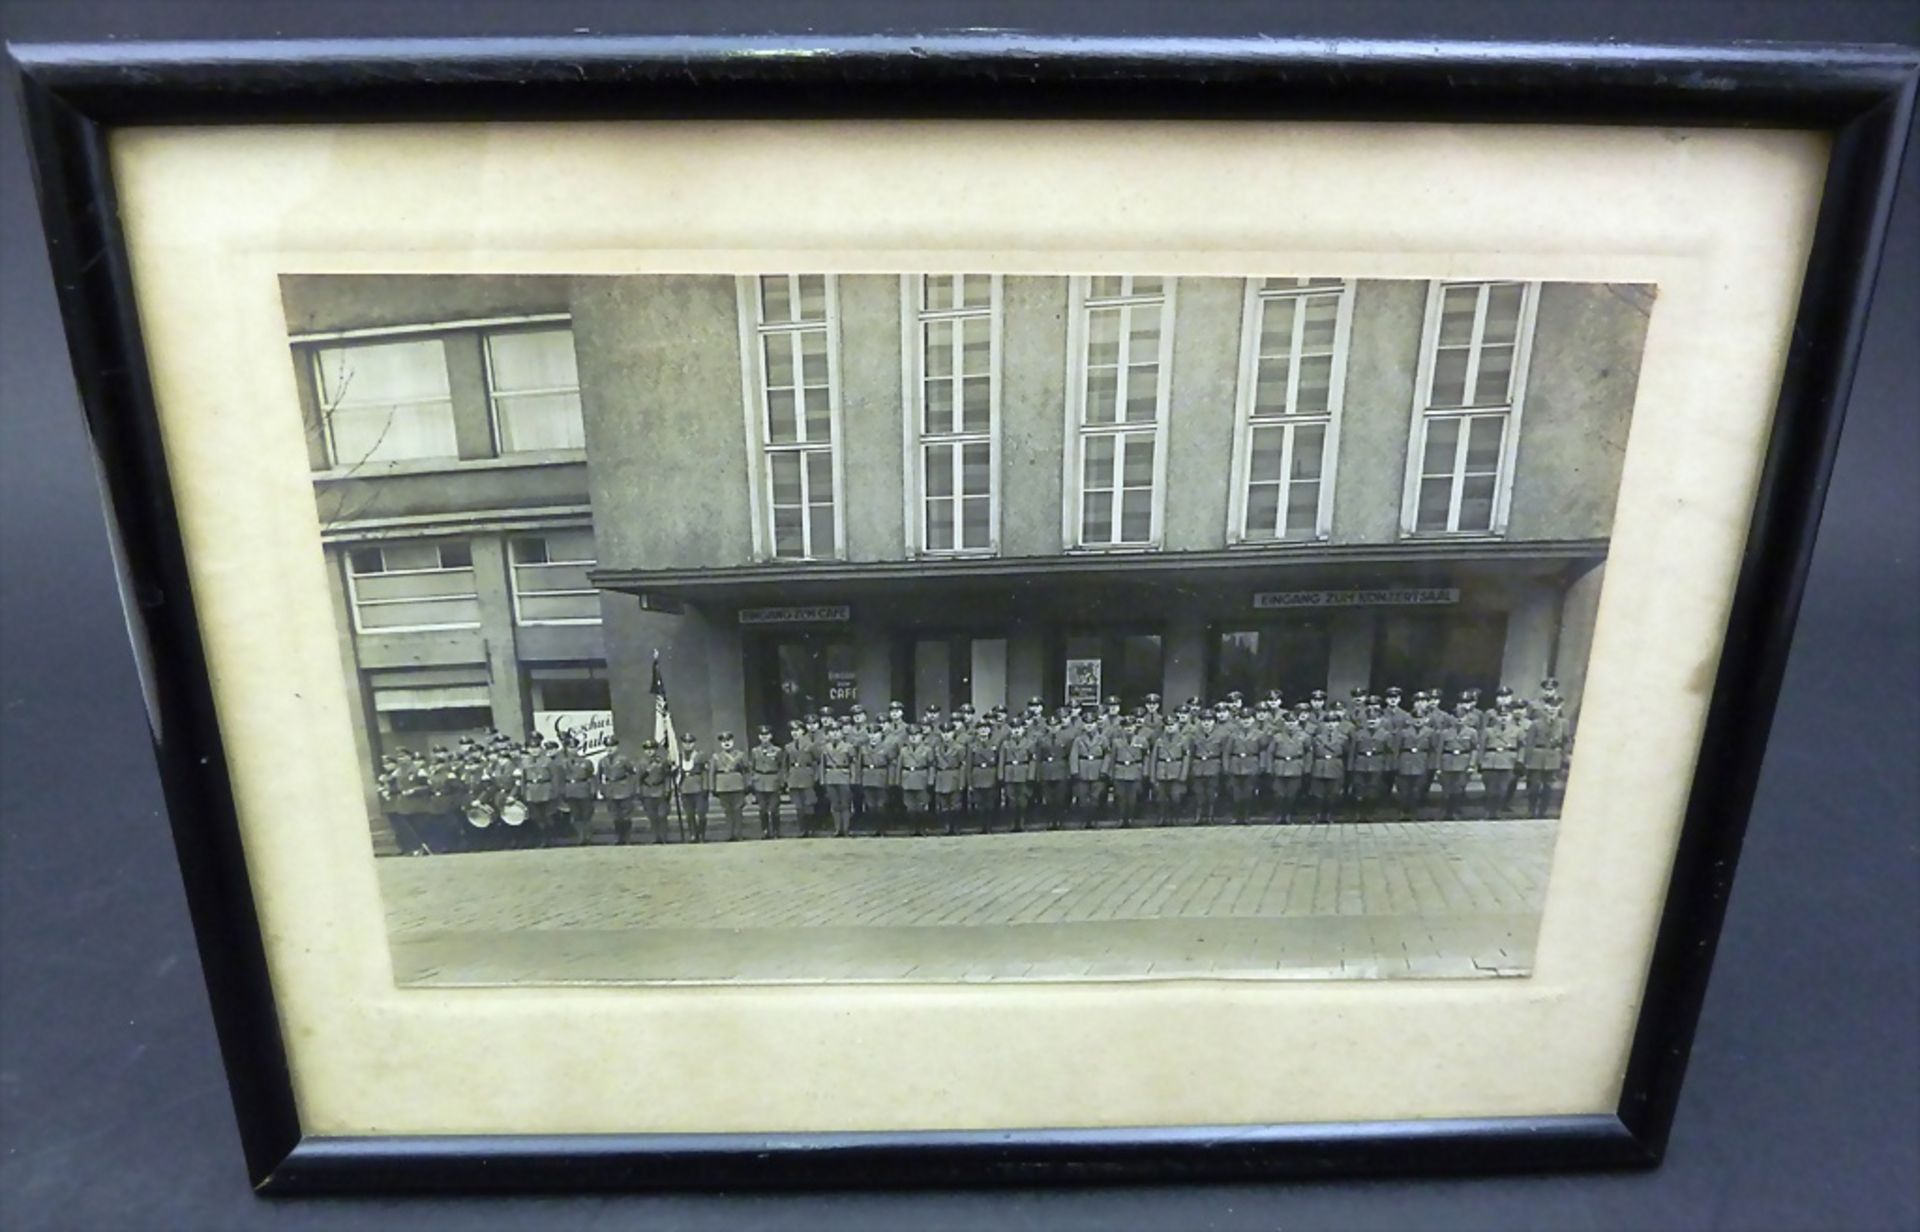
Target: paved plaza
point(1353, 901)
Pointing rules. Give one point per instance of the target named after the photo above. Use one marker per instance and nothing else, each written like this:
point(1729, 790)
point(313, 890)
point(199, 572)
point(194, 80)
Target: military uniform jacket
point(619, 780)
point(1019, 759)
point(1208, 755)
point(1130, 758)
point(1329, 753)
point(1246, 752)
point(1290, 754)
point(1091, 756)
point(877, 764)
point(1172, 757)
point(1051, 750)
point(1371, 750)
point(655, 772)
point(696, 773)
point(839, 763)
point(541, 778)
point(578, 783)
point(1456, 747)
point(1544, 746)
point(949, 764)
point(765, 766)
point(983, 764)
point(1415, 747)
point(1499, 744)
point(802, 763)
point(915, 766)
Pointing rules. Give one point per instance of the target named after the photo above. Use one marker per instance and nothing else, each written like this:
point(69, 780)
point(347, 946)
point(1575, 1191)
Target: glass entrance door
point(801, 673)
point(1450, 651)
point(949, 670)
point(1288, 655)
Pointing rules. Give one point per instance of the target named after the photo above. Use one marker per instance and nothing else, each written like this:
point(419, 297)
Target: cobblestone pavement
point(1351, 901)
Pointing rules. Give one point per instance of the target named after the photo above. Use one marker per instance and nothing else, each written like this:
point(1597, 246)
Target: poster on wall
point(1083, 682)
point(591, 731)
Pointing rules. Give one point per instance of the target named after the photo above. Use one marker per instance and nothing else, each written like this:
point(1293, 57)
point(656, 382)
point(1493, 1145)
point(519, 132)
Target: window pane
point(782, 425)
point(1490, 384)
point(939, 405)
point(820, 526)
point(1303, 508)
point(1143, 393)
point(1139, 462)
point(457, 612)
point(398, 557)
point(813, 297)
point(1146, 284)
point(536, 608)
point(1136, 516)
point(976, 397)
point(1264, 461)
point(1143, 343)
point(1457, 306)
point(939, 348)
point(1276, 327)
point(1104, 286)
point(819, 416)
point(1316, 385)
point(813, 358)
point(1270, 394)
point(1102, 386)
point(1098, 471)
point(407, 431)
point(1434, 497)
point(937, 292)
point(976, 341)
point(976, 469)
point(1103, 336)
point(1263, 510)
point(1443, 439)
point(1476, 503)
point(940, 525)
point(786, 478)
point(977, 522)
point(1309, 449)
point(779, 352)
point(362, 561)
point(529, 551)
point(1503, 313)
point(433, 584)
point(1096, 518)
point(774, 304)
point(819, 475)
point(540, 579)
point(382, 372)
point(940, 470)
point(977, 291)
point(1449, 378)
point(1483, 443)
point(786, 532)
point(571, 545)
point(540, 422)
point(456, 555)
point(1321, 312)
point(532, 359)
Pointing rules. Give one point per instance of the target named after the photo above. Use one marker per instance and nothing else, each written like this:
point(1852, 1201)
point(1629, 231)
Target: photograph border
point(73, 95)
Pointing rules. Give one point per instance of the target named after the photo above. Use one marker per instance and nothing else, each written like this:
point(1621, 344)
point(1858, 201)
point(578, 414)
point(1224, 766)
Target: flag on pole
point(663, 733)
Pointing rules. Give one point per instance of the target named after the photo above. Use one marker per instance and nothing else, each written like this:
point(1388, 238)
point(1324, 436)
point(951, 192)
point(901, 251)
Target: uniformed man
point(695, 783)
point(1544, 753)
point(1414, 750)
point(1456, 746)
point(802, 770)
point(618, 784)
point(877, 777)
point(839, 771)
point(983, 777)
point(1246, 763)
point(1370, 762)
point(950, 772)
point(1498, 759)
point(1128, 768)
point(1052, 747)
point(1289, 757)
point(914, 764)
point(579, 784)
point(1172, 771)
point(1394, 714)
point(1507, 706)
point(1019, 769)
point(654, 774)
point(1328, 770)
point(397, 774)
point(1206, 761)
point(766, 772)
point(1088, 762)
point(541, 780)
point(1151, 719)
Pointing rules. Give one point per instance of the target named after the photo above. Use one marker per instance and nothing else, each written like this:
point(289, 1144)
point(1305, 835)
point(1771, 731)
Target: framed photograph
point(959, 609)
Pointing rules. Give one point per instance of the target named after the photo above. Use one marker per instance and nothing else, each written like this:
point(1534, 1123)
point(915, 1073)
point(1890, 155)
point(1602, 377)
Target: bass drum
point(479, 814)
point(513, 812)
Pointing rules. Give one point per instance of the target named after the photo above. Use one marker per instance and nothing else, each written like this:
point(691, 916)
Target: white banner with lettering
point(590, 731)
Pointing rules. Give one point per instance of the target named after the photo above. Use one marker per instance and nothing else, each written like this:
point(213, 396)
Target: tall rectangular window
point(797, 414)
point(1467, 413)
point(534, 384)
point(953, 411)
point(385, 402)
point(413, 586)
point(1292, 372)
point(1118, 396)
point(549, 575)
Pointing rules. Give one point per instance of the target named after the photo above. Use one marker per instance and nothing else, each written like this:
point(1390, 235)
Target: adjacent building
point(805, 489)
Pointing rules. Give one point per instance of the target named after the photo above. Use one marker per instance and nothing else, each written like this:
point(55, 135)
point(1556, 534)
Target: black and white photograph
point(913, 626)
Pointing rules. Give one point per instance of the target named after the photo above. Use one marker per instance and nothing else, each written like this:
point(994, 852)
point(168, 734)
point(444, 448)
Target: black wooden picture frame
point(74, 94)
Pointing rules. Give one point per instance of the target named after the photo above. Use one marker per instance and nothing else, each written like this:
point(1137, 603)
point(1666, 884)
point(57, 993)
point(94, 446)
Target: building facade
point(805, 490)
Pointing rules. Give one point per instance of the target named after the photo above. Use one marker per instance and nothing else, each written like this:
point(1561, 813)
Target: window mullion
point(1296, 339)
point(1459, 472)
point(1475, 339)
point(955, 372)
point(1286, 481)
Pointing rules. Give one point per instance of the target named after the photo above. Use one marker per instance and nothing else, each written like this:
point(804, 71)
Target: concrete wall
point(1383, 357)
point(324, 303)
point(1200, 417)
point(1587, 345)
point(665, 421)
point(1033, 399)
point(502, 487)
point(873, 429)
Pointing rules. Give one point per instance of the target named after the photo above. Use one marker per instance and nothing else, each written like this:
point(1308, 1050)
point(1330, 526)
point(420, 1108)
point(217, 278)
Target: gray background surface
point(1802, 1106)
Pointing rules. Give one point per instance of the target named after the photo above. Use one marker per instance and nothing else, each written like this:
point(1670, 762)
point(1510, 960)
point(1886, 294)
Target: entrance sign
point(842, 687)
point(1399, 596)
point(822, 614)
point(1083, 682)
